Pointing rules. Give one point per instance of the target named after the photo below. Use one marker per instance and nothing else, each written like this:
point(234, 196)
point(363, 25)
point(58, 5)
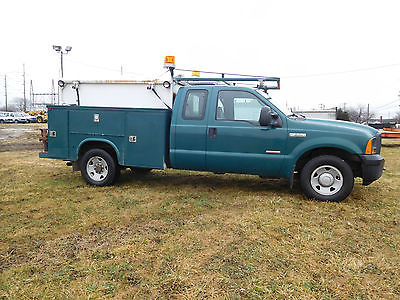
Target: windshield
point(279, 104)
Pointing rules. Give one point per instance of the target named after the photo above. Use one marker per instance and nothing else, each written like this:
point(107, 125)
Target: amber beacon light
point(169, 61)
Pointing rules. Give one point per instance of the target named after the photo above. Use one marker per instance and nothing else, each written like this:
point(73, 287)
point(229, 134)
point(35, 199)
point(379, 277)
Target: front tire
point(327, 178)
point(98, 167)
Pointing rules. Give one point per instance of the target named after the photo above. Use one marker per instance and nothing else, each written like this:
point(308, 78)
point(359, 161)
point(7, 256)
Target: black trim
point(371, 167)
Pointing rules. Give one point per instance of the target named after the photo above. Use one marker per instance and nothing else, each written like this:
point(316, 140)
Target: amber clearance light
point(369, 149)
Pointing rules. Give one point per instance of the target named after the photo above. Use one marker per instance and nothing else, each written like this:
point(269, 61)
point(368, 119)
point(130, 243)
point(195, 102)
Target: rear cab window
point(195, 105)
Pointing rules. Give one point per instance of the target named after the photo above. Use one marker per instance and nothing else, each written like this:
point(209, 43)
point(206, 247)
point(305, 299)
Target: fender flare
point(117, 152)
point(299, 151)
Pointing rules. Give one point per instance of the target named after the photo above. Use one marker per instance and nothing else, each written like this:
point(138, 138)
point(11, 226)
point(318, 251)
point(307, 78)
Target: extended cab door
point(189, 129)
point(235, 140)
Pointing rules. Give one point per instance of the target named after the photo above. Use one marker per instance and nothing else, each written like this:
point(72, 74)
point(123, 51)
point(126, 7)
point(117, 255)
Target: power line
point(102, 67)
point(303, 75)
point(342, 72)
point(384, 105)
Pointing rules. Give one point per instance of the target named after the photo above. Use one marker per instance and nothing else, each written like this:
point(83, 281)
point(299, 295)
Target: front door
point(235, 140)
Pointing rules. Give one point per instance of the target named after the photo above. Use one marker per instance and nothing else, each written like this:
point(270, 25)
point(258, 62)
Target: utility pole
point(24, 87)
point(53, 93)
point(32, 95)
point(5, 89)
point(367, 113)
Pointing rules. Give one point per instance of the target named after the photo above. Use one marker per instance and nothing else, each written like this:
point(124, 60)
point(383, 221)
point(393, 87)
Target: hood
point(330, 126)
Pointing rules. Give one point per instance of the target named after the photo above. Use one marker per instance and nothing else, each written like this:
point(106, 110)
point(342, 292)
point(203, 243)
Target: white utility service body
point(117, 93)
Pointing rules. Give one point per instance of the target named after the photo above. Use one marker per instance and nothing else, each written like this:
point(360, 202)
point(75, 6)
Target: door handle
point(212, 133)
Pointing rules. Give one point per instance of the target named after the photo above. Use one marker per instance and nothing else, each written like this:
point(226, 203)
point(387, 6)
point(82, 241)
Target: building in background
point(327, 114)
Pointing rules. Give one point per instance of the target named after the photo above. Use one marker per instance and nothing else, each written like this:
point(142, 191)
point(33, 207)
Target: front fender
point(317, 143)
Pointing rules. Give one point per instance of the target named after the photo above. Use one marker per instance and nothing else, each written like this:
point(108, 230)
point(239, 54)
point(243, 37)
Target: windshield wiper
point(296, 115)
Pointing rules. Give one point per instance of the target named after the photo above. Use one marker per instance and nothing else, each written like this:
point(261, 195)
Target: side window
point(238, 106)
point(195, 105)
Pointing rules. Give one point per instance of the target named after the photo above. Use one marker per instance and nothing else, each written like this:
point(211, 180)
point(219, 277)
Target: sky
point(330, 53)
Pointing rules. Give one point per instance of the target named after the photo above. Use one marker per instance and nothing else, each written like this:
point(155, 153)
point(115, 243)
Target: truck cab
point(217, 128)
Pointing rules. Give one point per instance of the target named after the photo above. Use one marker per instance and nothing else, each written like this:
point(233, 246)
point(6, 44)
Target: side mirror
point(265, 116)
point(269, 118)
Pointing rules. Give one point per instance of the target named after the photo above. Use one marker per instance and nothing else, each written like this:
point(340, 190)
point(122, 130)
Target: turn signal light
point(196, 73)
point(368, 149)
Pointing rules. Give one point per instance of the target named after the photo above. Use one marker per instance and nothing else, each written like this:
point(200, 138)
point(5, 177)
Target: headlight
point(371, 147)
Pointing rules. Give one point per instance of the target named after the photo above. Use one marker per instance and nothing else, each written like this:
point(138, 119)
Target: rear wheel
point(327, 178)
point(98, 167)
point(39, 119)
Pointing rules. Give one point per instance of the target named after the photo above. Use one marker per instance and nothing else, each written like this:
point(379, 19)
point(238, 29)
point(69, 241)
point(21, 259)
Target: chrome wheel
point(97, 168)
point(326, 180)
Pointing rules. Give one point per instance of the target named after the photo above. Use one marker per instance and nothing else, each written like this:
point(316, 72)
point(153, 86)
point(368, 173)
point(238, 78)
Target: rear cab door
point(188, 140)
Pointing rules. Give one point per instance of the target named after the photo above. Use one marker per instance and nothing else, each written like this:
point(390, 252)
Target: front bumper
point(371, 167)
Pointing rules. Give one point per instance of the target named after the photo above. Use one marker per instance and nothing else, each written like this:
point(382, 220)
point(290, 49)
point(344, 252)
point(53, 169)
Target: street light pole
point(62, 51)
point(62, 65)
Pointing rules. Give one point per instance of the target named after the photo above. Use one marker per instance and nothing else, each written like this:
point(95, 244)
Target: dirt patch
point(21, 147)
point(20, 137)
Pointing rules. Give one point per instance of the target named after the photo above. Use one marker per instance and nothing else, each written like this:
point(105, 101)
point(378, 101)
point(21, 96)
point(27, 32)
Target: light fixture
point(166, 84)
point(61, 83)
point(66, 50)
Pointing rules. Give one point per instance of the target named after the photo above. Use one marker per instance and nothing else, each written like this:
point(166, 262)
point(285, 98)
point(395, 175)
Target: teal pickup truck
point(218, 126)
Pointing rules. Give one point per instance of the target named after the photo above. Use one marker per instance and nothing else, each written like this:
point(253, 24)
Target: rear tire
point(327, 178)
point(39, 119)
point(98, 167)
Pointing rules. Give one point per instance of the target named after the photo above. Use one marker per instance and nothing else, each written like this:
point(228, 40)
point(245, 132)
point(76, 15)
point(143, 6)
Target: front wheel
point(98, 167)
point(327, 178)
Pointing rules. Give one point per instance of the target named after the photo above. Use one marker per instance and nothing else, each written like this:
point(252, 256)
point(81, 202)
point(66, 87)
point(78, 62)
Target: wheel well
point(352, 159)
point(98, 145)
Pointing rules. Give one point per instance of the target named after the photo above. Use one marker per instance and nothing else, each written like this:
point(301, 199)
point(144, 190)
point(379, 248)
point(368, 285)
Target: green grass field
point(187, 235)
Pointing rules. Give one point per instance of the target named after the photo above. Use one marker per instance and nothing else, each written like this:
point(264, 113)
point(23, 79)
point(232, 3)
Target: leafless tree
point(360, 114)
point(397, 117)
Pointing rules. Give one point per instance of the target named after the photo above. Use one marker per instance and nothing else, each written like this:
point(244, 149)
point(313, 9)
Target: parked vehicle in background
point(20, 117)
point(41, 116)
point(31, 119)
point(6, 117)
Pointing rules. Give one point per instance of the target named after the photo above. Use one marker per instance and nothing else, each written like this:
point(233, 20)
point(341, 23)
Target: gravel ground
point(20, 137)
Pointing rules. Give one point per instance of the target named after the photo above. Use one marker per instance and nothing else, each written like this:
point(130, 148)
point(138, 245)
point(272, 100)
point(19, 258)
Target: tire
point(98, 167)
point(39, 119)
point(327, 178)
